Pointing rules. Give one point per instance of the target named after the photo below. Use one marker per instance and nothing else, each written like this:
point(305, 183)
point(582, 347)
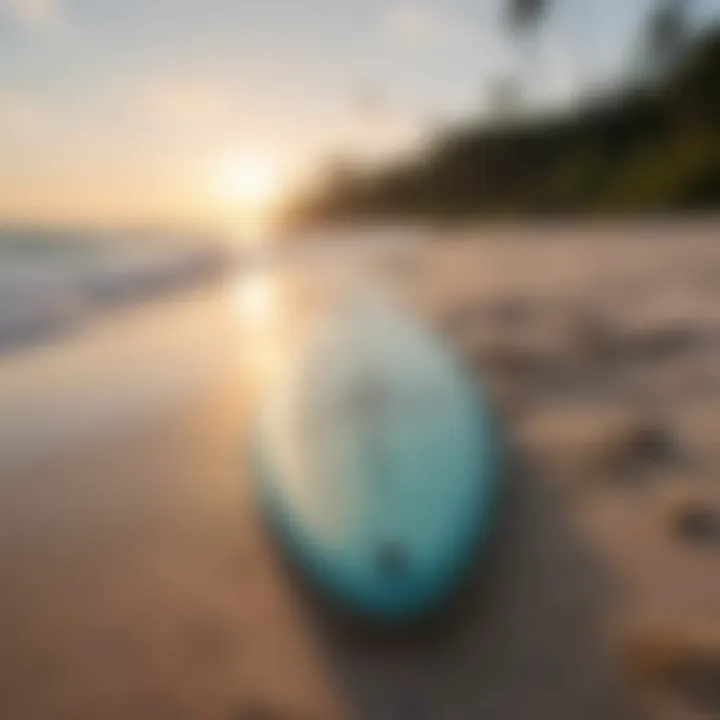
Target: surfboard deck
point(377, 463)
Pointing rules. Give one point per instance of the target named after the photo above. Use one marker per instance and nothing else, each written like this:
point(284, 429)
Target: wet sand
point(137, 581)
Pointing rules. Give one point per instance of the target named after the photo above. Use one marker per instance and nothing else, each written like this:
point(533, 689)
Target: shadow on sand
point(523, 640)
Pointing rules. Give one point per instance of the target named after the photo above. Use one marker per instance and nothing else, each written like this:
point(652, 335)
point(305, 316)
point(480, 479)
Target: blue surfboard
point(377, 463)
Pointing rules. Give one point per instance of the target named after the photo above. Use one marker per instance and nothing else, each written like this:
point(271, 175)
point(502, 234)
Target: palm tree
point(523, 18)
point(666, 35)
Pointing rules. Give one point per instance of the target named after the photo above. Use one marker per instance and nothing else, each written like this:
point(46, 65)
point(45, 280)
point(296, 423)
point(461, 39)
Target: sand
point(137, 581)
point(602, 347)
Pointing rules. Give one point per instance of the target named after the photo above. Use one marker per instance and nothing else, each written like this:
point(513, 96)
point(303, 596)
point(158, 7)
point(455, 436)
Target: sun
point(248, 192)
point(254, 184)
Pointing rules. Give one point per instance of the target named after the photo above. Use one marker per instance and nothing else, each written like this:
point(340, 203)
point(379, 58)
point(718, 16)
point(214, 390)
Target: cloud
point(418, 24)
point(34, 14)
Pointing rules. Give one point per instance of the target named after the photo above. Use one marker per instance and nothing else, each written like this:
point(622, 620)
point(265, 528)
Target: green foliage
point(646, 150)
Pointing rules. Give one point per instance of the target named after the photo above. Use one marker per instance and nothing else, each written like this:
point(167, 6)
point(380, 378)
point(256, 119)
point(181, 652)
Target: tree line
point(652, 144)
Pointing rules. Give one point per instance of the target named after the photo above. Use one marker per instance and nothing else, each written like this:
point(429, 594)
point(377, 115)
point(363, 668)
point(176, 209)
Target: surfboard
point(377, 462)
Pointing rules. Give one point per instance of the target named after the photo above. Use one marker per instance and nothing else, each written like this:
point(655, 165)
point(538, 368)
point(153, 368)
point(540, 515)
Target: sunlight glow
point(253, 182)
point(255, 299)
point(251, 190)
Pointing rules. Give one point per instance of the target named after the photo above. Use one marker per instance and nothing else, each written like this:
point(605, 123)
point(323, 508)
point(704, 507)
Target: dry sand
point(136, 581)
point(602, 347)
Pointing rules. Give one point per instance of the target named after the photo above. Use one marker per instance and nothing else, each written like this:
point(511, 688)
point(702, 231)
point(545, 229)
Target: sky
point(133, 110)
